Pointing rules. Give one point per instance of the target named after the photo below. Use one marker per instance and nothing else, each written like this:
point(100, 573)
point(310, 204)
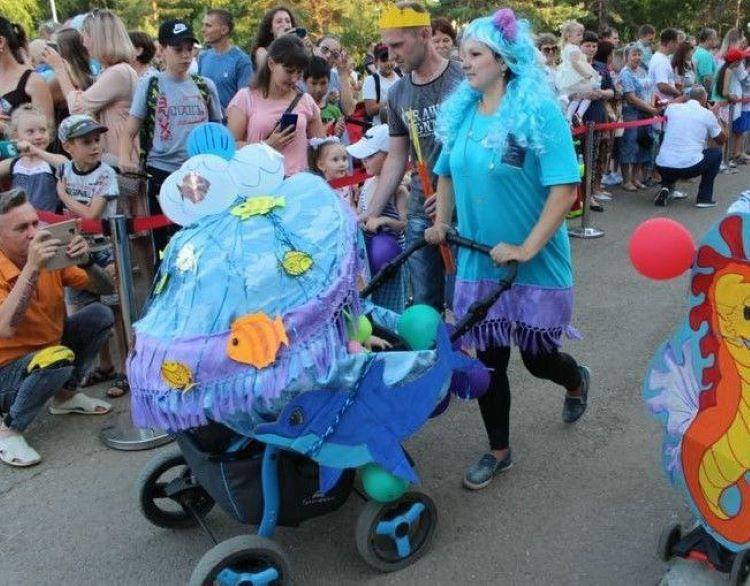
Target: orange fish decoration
point(255, 340)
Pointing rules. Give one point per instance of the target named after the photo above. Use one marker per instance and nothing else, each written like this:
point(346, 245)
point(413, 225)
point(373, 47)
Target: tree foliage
point(24, 12)
point(355, 21)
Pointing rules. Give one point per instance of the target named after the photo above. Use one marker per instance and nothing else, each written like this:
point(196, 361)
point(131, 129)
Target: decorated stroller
point(698, 386)
point(245, 354)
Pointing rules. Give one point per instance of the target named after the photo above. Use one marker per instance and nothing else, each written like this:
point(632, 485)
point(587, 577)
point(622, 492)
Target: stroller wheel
point(391, 536)
point(245, 559)
point(167, 493)
point(740, 575)
point(669, 537)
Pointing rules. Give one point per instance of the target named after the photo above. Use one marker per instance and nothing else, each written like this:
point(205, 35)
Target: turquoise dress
point(499, 198)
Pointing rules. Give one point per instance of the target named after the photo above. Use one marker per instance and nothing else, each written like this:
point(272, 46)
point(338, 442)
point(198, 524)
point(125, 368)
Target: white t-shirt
point(660, 71)
point(368, 90)
point(688, 127)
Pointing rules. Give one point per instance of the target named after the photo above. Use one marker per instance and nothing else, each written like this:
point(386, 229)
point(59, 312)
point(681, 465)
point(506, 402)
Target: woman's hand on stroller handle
point(503, 254)
point(437, 233)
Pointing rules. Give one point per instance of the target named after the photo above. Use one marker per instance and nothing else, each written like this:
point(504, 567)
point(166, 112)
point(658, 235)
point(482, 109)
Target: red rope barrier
point(149, 223)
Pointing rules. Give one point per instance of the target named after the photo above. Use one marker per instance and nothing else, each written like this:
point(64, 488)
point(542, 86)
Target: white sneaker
point(678, 195)
point(608, 180)
point(602, 197)
point(706, 204)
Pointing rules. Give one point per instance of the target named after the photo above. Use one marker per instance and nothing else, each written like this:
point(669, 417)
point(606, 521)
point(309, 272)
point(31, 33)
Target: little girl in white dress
point(575, 75)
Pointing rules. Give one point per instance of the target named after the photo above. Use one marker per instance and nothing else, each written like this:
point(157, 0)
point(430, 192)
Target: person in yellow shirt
point(43, 354)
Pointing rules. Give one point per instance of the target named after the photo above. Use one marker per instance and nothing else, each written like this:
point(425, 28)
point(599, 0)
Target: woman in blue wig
point(509, 170)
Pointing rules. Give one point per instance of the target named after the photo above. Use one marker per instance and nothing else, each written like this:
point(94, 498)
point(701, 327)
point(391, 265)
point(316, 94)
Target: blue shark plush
point(374, 423)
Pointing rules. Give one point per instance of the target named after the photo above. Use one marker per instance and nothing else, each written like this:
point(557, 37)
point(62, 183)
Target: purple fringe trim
point(533, 318)
point(154, 404)
point(488, 334)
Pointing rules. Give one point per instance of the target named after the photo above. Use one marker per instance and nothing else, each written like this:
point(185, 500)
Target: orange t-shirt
point(42, 324)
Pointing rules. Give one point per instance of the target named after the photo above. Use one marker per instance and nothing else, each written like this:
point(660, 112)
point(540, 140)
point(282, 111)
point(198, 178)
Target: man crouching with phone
point(43, 354)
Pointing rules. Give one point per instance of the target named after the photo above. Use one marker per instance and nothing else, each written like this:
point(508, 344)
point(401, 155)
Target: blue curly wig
point(526, 92)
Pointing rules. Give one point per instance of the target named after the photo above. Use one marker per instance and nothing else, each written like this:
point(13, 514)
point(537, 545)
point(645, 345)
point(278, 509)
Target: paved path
point(583, 505)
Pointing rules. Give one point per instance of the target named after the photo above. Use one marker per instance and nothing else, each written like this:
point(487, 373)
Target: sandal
point(98, 375)
point(81, 404)
point(629, 187)
point(118, 388)
point(14, 451)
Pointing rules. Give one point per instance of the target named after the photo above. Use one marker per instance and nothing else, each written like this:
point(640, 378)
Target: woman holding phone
point(273, 110)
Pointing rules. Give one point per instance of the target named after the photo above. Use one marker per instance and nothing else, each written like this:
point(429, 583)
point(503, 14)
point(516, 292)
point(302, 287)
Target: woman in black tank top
point(18, 84)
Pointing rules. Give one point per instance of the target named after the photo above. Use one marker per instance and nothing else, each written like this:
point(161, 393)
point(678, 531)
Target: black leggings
point(556, 366)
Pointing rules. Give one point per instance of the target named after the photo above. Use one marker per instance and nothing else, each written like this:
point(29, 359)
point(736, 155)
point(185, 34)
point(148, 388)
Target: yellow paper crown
point(395, 17)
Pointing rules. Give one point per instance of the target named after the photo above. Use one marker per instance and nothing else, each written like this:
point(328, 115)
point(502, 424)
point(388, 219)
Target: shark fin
point(391, 456)
point(329, 478)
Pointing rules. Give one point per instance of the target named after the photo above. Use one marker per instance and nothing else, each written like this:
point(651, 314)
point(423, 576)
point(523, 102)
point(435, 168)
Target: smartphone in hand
point(287, 120)
point(64, 232)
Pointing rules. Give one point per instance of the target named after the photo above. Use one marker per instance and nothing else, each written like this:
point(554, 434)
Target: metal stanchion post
point(585, 230)
point(123, 435)
point(732, 138)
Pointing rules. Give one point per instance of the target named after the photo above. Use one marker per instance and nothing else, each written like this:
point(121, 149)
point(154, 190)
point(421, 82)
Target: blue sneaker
point(575, 407)
point(481, 473)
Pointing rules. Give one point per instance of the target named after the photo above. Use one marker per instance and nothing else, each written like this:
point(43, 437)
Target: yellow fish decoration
point(255, 340)
point(177, 375)
point(296, 262)
point(257, 206)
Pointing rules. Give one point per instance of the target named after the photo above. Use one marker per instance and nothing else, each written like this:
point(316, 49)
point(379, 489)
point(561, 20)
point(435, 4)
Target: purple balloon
point(471, 384)
point(381, 249)
point(441, 406)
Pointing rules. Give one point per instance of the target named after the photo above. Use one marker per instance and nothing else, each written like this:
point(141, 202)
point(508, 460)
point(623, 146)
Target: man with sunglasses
point(330, 49)
point(375, 90)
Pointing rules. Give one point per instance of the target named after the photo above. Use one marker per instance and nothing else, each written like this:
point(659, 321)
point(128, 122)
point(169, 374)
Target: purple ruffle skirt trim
point(533, 318)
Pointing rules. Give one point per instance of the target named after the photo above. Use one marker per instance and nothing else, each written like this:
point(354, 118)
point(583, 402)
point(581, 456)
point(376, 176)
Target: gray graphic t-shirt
point(180, 107)
point(424, 101)
point(101, 181)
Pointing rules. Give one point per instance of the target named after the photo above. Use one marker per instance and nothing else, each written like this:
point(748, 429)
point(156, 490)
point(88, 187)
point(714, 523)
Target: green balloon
point(364, 329)
point(382, 486)
point(418, 326)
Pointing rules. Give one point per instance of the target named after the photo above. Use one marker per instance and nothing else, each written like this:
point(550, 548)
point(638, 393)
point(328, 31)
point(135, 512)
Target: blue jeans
point(707, 168)
point(425, 266)
point(23, 394)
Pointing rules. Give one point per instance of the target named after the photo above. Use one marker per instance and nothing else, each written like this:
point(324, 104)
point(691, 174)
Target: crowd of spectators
point(138, 98)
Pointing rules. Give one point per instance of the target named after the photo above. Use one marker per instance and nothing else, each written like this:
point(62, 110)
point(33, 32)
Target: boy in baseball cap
point(86, 184)
point(372, 150)
point(174, 32)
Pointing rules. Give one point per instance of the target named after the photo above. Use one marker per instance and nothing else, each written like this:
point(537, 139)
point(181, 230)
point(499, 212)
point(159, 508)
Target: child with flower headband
point(508, 169)
point(327, 157)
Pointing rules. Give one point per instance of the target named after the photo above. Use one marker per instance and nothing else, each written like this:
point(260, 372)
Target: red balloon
point(661, 248)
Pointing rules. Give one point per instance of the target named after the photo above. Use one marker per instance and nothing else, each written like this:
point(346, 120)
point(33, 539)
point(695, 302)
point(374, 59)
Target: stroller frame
point(407, 524)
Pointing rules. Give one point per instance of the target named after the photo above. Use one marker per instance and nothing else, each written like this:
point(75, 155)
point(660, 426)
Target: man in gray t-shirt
point(428, 80)
point(180, 107)
point(421, 101)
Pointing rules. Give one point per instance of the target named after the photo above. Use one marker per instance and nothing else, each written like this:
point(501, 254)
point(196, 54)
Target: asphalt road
point(582, 505)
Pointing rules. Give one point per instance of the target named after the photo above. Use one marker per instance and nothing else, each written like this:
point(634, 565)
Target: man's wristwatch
point(88, 264)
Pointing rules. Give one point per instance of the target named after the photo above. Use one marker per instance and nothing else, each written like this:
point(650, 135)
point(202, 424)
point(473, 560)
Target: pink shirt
point(262, 116)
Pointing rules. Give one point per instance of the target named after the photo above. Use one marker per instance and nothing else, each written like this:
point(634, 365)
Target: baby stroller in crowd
point(267, 485)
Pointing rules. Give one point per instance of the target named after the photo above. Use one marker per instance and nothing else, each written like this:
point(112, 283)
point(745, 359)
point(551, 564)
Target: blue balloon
point(211, 138)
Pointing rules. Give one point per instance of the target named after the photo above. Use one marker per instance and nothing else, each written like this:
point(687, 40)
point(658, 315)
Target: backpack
point(149, 122)
point(376, 79)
